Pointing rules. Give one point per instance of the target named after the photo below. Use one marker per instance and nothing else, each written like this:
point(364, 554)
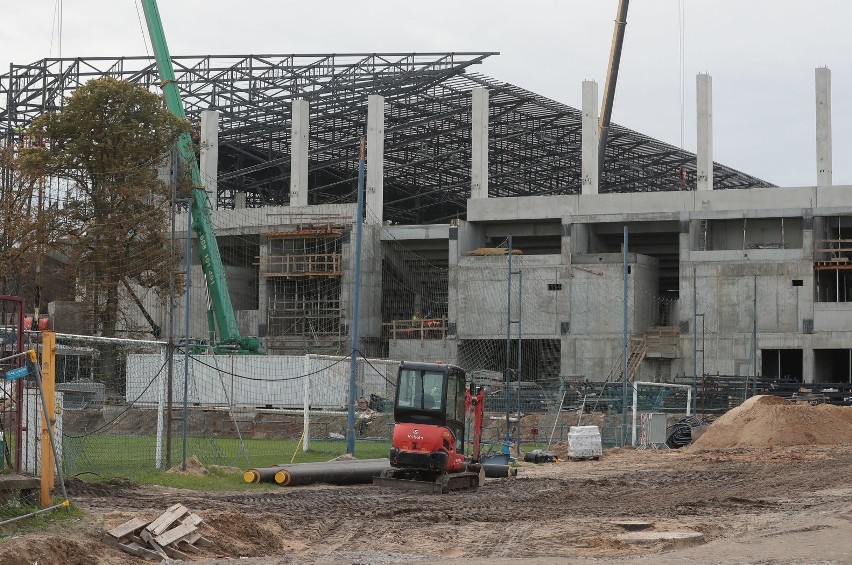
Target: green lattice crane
point(220, 316)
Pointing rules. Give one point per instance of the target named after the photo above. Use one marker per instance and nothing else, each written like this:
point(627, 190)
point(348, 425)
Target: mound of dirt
point(193, 467)
point(770, 421)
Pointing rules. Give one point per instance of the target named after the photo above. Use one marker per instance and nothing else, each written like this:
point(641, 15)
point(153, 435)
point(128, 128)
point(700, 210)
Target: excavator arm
point(222, 317)
point(475, 402)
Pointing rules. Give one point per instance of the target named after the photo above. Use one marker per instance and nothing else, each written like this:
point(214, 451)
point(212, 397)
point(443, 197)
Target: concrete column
point(453, 277)
point(374, 197)
point(565, 241)
point(823, 126)
point(209, 157)
point(808, 362)
point(299, 145)
point(263, 288)
point(590, 174)
point(704, 89)
point(479, 143)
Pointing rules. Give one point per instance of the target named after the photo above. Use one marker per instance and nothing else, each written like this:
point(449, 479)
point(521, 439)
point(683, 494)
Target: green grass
point(106, 458)
point(35, 523)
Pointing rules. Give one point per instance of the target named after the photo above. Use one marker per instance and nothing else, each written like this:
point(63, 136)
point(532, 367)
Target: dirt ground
point(775, 505)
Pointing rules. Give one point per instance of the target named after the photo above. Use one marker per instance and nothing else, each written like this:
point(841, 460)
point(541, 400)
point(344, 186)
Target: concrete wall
point(370, 315)
point(482, 296)
point(726, 290)
point(425, 350)
point(595, 338)
point(756, 201)
point(586, 313)
point(833, 317)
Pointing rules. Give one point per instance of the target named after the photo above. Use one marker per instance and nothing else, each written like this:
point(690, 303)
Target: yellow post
point(48, 384)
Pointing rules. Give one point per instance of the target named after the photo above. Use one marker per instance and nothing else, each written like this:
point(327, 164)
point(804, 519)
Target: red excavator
point(431, 405)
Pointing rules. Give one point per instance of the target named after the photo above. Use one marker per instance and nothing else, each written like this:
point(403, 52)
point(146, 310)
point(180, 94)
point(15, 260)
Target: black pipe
point(332, 472)
point(499, 471)
point(267, 474)
point(679, 434)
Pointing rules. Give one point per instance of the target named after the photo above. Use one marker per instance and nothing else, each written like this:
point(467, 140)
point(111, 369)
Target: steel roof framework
point(534, 142)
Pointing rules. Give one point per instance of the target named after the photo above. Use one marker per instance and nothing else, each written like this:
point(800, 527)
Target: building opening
point(782, 364)
point(833, 365)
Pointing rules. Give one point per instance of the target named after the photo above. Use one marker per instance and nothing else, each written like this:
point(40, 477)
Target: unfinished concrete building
point(727, 273)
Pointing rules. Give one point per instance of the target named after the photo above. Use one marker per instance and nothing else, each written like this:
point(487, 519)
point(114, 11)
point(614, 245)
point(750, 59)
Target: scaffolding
point(832, 265)
point(302, 271)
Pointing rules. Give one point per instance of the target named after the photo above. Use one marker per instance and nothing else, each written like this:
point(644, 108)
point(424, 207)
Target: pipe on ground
point(331, 472)
point(499, 471)
point(267, 474)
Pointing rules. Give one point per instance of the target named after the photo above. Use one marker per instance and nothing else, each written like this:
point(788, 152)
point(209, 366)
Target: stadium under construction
point(486, 219)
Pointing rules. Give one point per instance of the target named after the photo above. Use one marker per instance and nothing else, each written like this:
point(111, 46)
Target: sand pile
point(770, 421)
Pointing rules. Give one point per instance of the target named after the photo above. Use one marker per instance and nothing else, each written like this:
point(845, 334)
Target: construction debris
point(173, 534)
point(490, 251)
point(584, 442)
point(541, 456)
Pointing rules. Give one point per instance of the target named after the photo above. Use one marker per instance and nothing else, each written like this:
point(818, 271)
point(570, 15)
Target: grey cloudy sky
point(761, 53)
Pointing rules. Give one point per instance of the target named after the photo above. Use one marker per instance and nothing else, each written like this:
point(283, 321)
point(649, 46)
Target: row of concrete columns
point(704, 130)
point(590, 173)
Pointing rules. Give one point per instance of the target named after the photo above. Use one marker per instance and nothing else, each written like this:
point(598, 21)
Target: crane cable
point(681, 18)
point(56, 28)
point(142, 28)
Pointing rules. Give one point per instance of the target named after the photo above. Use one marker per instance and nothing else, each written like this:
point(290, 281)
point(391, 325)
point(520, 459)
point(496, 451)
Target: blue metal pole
point(356, 300)
point(520, 362)
point(624, 336)
point(508, 341)
point(186, 342)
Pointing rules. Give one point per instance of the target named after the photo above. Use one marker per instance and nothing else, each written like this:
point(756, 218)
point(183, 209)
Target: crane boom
point(202, 225)
point(611, 80)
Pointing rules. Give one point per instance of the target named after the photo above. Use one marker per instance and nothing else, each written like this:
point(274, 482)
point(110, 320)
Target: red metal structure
point(11, 343)
point(430, 410)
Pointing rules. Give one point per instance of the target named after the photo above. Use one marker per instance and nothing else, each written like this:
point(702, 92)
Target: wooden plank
point(185, 546)
point(162, 517)
point(149, 539)
point(203, 542)
point(193, 519)
point(175, 534)
point(174, 553)
point(129, 527)
point(132, 548)
point(142, 552)
point(165, 521)
point(137, 539)
point(193, 537)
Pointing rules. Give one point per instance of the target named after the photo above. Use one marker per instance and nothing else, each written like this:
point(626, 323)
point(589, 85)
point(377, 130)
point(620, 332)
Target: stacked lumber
point(173, 534)
point(490, 251)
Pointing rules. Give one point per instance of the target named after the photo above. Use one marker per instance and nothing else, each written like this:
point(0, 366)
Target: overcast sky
point(761, 54)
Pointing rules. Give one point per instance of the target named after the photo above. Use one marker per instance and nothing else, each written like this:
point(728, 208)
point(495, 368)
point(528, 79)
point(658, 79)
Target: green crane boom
point(208, 248)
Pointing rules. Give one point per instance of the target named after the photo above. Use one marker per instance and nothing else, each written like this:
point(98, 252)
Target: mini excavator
point(430, 409)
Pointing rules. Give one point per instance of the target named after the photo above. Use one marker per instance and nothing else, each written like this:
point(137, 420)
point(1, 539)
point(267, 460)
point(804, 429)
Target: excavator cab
point(430, 409)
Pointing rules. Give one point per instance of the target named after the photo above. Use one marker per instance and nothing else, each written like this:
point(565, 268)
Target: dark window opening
point(833, 365)
point(782, 364)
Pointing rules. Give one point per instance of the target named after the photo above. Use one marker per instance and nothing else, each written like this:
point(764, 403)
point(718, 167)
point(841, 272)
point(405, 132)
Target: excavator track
point(442, 484)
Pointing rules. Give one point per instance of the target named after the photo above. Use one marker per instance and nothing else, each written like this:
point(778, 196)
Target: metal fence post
point(306, 403)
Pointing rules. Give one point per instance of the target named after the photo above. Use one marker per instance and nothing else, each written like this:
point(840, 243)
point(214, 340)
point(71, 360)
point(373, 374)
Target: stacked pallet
point(173, 534)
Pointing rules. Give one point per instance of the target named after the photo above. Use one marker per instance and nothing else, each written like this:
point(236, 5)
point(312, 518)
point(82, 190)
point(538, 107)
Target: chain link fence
point(121, 418)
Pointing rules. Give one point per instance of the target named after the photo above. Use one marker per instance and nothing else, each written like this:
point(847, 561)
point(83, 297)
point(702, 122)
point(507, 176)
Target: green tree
point(106, 143)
